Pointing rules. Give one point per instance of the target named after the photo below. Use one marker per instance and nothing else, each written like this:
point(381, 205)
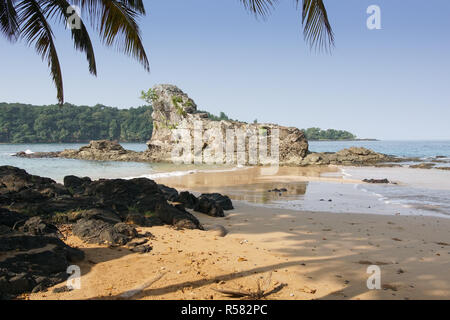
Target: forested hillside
point(329, 134)
point(21, 123)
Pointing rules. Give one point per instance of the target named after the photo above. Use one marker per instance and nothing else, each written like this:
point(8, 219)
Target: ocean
point(417, 192)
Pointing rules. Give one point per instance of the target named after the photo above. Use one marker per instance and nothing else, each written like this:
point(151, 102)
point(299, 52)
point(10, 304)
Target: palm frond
point(36, 30)
point(316, 26)
point(259, 7)
point(8, 20)
point(118, 19)
point(80, 37)
point(116, 22)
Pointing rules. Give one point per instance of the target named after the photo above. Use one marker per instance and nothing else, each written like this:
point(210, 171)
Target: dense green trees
point(21, 123)
point(330, 134)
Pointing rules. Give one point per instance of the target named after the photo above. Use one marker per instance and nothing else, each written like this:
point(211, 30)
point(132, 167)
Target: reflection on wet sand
point(251, 184)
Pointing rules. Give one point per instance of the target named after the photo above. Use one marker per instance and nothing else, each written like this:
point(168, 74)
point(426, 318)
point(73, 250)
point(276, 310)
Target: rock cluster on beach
point(33, 257)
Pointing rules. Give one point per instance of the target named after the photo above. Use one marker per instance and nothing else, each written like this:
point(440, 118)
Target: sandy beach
point(301, 254)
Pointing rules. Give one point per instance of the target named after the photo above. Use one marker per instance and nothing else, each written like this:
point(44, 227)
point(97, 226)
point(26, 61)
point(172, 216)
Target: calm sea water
point(57, 169)
point(418, 192)
point(420, 149)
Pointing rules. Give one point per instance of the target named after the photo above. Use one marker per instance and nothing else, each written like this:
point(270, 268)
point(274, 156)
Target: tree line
point(23, 123)
point(329, 134)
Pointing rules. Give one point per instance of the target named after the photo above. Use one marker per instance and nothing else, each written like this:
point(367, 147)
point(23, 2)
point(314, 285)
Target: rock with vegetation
point(174, 109)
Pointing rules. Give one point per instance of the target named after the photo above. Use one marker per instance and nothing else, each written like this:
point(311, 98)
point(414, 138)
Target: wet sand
point(314, 255)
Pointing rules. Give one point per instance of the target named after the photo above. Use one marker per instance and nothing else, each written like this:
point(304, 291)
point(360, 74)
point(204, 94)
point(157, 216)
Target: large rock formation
point(173, 109)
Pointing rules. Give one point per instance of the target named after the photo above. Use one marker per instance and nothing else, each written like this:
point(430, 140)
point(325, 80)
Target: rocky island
point(174, 109)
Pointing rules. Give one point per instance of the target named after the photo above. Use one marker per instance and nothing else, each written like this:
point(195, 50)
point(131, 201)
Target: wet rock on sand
point(423, 166)
point(376, 181)
point(222, 200)
point(210, 207)
point(177, 216)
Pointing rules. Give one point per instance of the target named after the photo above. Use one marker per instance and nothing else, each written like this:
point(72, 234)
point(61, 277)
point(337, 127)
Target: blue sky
point(388, 84)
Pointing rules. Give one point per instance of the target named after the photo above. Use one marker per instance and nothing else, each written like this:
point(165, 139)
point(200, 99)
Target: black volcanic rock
point(223, 201)
point(170, 194)
point(101, 232)
point(187, 199)
point(33, 263)
point(210, 207)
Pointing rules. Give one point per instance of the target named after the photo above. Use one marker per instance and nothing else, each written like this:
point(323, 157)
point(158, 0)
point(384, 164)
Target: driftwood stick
point(131, 293)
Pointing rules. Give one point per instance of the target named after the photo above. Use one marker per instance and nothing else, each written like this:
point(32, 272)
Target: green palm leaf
point(8, 20)
point(36, 30)
point(317, 28)
point(259, 7)
point(80, 37)
point(116, 21)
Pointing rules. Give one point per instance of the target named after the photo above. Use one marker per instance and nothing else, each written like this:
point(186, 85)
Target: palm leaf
point(8, 20)
point(259, 7)
point(36, 30)
point(317, 28)
point(80, 37)
point(116, 22)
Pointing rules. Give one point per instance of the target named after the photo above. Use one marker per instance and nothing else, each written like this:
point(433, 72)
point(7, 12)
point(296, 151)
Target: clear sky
point(392, 83)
